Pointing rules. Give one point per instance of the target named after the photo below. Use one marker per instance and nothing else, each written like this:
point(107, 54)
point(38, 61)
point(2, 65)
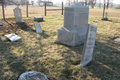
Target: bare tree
point(92, 3)
point(32, 2)
point(108, 3)
point(99, 4)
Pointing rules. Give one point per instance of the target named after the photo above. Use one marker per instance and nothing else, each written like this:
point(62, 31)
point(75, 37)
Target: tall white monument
point(75, 25)
point(18, 15)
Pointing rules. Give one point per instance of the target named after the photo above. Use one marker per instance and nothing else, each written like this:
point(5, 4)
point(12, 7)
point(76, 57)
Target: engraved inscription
point(89, 46)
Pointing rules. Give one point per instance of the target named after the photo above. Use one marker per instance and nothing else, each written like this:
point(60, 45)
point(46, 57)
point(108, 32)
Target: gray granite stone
point(18, 15)
point(13, 37)
point(38, 18)
point(71, 37)
point(89, 45)
point(76, 16)
point(32, 75)
point(38, 27)
point(1, 23)
point(75, 25)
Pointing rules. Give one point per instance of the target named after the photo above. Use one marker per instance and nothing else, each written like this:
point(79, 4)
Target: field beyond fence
point(41, 11)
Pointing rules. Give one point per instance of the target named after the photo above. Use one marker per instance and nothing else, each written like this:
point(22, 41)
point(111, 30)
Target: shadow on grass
point(12, 66)
point(10, 63)
point(112, 21)
point(105, 64)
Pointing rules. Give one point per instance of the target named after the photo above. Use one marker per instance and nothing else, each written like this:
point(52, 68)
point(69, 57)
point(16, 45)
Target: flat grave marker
point(13, 37)
point(89, 45)
point(38, 28)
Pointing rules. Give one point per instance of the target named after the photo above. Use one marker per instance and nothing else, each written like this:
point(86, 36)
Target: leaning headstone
point(75, 25)
point(32, 75)
point(38, 27)
point(89, 45)
point(1, 23)
point(13, 37)
point(18, 15)
point(38, 18)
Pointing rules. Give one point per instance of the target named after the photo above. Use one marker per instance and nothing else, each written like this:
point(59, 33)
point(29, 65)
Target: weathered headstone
point(89, 45)
point(18, 15)
point(13, 37)
point(75, 25)
point(38, 18)
point(1, 23)
point(38, 27)
point(106, 15)
point(32, 75)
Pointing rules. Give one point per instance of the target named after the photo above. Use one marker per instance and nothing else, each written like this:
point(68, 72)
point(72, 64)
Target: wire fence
point(30, 10)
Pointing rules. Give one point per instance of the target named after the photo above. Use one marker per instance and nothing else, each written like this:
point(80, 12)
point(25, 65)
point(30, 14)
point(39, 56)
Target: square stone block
point(38, 18)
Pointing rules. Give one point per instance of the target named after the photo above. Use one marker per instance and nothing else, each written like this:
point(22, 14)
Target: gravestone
point(18, 15)
point(89, 45)
point(13, 37)
point(38, 27)
point(1, 23)
point(38, 18)
point(32, 75)
point(75, 25)
point(106, 16)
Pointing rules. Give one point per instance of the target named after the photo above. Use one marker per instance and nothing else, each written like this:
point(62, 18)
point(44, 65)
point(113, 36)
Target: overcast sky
point(59, 1)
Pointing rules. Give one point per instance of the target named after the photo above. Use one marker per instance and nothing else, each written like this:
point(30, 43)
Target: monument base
point(70, 36)
point(20, 22)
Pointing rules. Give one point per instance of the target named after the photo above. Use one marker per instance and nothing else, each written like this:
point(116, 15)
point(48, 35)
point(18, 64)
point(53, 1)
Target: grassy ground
point(38, 52)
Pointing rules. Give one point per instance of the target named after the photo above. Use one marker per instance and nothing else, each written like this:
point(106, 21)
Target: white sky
point(59, 1)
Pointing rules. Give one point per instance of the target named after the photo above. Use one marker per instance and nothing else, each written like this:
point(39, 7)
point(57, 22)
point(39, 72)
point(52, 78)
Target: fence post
point(103, 9)
point(27, 9)
point(45, 9)
point(62, 8)
point(3, 10)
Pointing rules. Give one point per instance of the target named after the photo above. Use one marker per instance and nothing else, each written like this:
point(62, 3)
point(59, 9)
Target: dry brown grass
point(38, 52)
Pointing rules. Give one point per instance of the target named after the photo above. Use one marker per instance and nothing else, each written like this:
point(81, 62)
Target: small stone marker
point(1, 23)
point(106, 15)
point(89, 45)
point(32, 75)
point(18, 15)
point(13, 37)
point(38, 27)
point(38, 18)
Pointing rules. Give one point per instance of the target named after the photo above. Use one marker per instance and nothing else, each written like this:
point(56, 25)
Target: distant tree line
point(14, 2)
point(92, 3)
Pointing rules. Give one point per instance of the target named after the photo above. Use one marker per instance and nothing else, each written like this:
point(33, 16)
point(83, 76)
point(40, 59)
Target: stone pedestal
point(75, 25)
point(18, 15)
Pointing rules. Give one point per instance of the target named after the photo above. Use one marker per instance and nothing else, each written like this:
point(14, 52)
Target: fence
point(53, 9)
point(7, 11)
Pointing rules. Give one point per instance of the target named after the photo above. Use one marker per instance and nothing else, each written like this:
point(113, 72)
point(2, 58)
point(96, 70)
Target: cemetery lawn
point(41, 52)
